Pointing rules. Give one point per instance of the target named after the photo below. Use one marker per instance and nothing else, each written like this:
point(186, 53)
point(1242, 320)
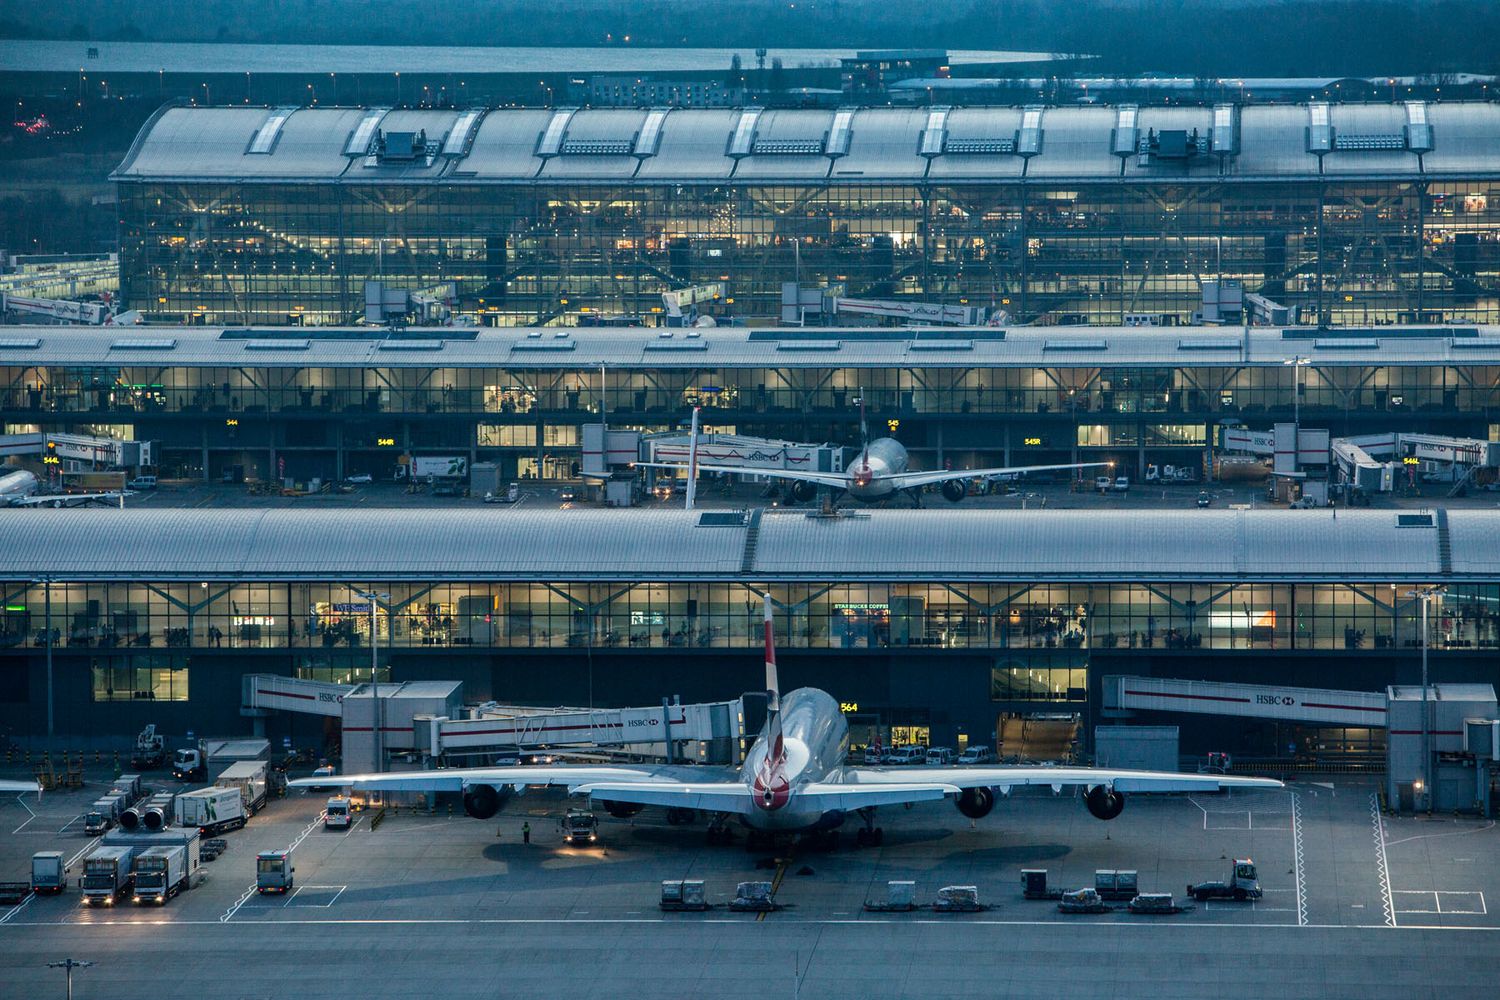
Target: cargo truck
point(274, 872)
point(107, 874)
point(212, 810)
point(249, 776)
point(186, 837)
point(48, 873)
point(209, 758)
point(160, 873)
point(1243, 884)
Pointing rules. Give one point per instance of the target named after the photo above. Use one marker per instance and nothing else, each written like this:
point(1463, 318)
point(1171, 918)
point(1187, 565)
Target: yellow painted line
point(781, 868)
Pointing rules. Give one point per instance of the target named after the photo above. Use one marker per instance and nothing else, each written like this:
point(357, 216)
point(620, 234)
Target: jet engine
point(1104, 803)
point(976, 803)
point(803, 491)
point(955, 490)
point(483, 801)
point(154, 819)
point(130, 819)
point(622, 810)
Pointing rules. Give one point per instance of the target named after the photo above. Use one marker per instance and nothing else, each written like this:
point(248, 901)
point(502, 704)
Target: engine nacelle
point(955, 490)
point(803, 491)
point(1104, 802)
point(976, 803)
point(483, 801)
point(154, 819)
point(622, 810)
point(130, 819)
point(681, 817)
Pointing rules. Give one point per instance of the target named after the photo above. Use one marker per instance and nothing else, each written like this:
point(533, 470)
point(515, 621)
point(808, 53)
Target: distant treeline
point(1180, 37)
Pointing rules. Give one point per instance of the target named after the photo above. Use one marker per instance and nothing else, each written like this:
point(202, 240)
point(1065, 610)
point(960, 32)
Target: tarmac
point(1357, 904)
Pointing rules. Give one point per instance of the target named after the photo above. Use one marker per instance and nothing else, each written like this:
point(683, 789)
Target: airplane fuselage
point(816, 742)
point(17, 484)
point(871, 470)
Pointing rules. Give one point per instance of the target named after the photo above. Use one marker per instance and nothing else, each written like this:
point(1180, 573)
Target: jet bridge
point(1320, 706)
point(428, 717)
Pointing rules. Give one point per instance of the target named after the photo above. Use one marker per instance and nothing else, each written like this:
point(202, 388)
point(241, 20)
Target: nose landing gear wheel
point(873, 837)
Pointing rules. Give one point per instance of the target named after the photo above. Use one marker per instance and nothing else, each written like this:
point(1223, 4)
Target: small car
point(360, 477)
point(567, 494)
point(142, 483)
point(1205, 499)
point(976, 755)
point(940, 755)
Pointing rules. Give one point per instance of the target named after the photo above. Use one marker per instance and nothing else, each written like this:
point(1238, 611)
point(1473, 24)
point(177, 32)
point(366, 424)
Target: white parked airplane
point(794, 779)
point(19, 786)
point(17, 484)
point(879, 472)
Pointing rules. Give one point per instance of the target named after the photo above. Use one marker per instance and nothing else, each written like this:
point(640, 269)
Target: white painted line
point(1382, 870)
point(1460, 903)
point(18, 908)
point(229, 913)
point(237, 904)
point(1297, 860)
point(296, 892)
point(22, 803)
point(81, 852)
point(69, 823)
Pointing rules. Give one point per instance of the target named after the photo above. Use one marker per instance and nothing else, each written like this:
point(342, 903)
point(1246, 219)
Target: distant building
point(871, 74)
point(636, 91)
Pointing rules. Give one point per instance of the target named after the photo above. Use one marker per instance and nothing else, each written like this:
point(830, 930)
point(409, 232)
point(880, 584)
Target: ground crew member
point(526, 833)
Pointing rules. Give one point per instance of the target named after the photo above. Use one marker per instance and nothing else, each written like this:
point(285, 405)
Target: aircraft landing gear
point(718, 830)
point(916, 497)
point(869, 835)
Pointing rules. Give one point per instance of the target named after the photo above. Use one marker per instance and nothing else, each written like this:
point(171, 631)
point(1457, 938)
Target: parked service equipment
point(958, 899)
point(214, 847)
point(753, 897)
point(1034, 885)
point(160, 873)
point(210, 757)
point(1111, 884)
point(1243, 884)
point(107, 874)
point(1154, 904)
point(579, 827)
point(338, 815)
point(683, 895)
point(274, 872)
point(249, 777)
point(150, 750)
point(212, 810)
point(48, 873)
point(1081, 901)
point(14, 892)
point(900, 897)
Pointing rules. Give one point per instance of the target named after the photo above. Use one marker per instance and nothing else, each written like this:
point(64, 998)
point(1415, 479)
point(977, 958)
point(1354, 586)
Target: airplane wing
point(69, 499)
point(574, 777)
point(835, 479)
point(907, 480)
point(20, 786)
point(1057, 777)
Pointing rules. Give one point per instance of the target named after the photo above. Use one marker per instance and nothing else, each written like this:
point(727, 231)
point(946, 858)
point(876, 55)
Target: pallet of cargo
point(14, 892)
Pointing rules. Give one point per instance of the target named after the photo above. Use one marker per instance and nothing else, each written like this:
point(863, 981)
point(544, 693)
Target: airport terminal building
point(1353, 213)
point(932, 623)
point(271, 403)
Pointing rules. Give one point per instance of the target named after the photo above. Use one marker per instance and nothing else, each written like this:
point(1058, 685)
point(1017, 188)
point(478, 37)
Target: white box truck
point(48, 872)
point(249, 776)
point(107, 874)
point(212, 810)
point(160, 873)
point(337, 814)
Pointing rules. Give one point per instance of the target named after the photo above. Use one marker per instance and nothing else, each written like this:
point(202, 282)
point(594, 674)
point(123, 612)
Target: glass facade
point(1347, 251)
point(325, 624)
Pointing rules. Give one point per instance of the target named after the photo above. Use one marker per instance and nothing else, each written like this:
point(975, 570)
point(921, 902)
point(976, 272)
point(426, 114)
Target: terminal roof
point(957, 545)
point(574, 348)
point(752, 146)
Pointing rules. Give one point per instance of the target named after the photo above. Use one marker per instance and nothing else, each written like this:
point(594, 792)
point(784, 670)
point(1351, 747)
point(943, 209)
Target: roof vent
point(1029, 136)
point(1418, 130)
point(742, 139)
point(935, 135)
point(1123, 140)
point(551, 141)
point(1075, 345)
point(403, 147)
point(648, 139)
point(839, 136)
point(460, 138)
point(363, 135)
point(1224, 138)
point(143, 344)
point(19, 343)
point(1319, 129)
point(277, 345)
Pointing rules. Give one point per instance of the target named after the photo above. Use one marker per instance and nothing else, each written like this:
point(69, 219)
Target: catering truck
point(249, 776)
point(160, 873)
point(107, 874)
point(212, 810)
point(208, 759)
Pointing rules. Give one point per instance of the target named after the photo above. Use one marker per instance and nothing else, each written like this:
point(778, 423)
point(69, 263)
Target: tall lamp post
point(1425, 595)
point(69, 964)
point(376, 715)
point(1296, 362)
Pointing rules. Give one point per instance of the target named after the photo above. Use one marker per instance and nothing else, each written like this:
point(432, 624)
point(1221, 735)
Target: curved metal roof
point(979, 144)
point(957, 545)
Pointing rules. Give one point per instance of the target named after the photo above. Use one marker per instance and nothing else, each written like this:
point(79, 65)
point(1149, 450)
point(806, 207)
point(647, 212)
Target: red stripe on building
point(1190, 697)
point(1342, 708)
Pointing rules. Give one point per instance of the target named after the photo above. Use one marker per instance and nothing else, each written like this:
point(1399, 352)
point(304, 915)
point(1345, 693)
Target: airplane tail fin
point(864, 432)
point(773, 687)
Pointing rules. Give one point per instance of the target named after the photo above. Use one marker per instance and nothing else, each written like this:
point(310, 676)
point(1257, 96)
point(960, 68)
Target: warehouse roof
point(955, 545)
point(576, 348)
point(754, 145)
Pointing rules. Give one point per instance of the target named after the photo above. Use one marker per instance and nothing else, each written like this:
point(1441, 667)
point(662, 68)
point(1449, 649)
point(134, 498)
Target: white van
point(902, 756)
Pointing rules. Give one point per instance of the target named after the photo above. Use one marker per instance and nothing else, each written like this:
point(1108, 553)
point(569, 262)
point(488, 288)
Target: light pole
point(1296, 362)
point(1425, 595)
point(376, 715)
point(69, 964)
